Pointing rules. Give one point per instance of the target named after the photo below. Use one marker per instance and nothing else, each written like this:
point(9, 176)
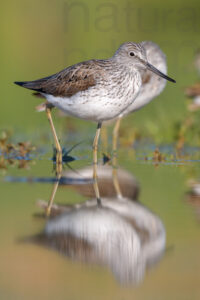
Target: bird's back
point(69, 81)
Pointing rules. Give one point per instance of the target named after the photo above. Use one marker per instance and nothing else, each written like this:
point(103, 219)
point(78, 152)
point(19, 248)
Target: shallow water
point(67, 267)
point(39, 40)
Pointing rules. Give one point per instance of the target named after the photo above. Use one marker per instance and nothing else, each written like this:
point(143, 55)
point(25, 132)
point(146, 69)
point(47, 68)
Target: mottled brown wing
point(67, 82)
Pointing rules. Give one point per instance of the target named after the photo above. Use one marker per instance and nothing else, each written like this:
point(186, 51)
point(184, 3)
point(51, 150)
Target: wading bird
point(95, 90)
point(152, 85)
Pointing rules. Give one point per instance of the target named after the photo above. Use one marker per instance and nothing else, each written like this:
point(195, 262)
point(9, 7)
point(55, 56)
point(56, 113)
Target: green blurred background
point(39, 38)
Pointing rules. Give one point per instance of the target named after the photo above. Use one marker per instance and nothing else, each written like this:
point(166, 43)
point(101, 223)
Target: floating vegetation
point(157, 157)
point(10, 153)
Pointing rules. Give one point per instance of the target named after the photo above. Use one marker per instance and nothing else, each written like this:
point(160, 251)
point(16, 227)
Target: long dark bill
point(156, 71)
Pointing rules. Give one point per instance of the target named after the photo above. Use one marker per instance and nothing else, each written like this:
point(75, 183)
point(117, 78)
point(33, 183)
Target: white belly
point(94, 105)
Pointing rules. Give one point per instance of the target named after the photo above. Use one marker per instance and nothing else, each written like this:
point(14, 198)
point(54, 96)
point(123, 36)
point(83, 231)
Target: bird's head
point(134, 55)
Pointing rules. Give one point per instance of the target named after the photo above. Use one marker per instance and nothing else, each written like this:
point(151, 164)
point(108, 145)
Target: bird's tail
point(31, 85)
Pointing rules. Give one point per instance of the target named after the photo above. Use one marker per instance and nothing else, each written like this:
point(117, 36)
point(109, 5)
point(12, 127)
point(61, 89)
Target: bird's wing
point(69, 81)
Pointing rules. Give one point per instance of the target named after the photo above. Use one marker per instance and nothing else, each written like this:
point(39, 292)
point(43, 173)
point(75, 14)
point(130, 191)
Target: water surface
point(49, 270)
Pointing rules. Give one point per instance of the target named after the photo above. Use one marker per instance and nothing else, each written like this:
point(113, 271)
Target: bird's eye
point(132, 54)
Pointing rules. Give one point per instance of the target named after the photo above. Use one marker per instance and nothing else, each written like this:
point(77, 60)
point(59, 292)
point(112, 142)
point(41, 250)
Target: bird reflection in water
point(128, 183)
point(122, 234)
